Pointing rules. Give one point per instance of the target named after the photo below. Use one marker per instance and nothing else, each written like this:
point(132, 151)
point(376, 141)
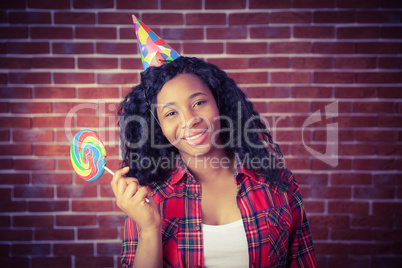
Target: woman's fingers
point(130, 190)
point(123, 183)
point(117, 176)
point(130, 197)
point(142, 194)
point(129, 180)
point(119, 182)
point(120, 188)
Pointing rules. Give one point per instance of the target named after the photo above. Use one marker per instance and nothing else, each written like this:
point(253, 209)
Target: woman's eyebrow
point(167, 105)
point(190, 97)
point(196, 94)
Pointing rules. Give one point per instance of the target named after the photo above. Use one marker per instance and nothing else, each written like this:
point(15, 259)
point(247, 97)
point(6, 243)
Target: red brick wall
point(292, 58)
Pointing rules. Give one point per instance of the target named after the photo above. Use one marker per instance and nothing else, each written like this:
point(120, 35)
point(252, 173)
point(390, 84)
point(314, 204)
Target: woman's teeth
point(195, 137)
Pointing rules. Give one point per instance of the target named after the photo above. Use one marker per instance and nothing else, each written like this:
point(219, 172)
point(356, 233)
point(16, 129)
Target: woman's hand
point(131, 199)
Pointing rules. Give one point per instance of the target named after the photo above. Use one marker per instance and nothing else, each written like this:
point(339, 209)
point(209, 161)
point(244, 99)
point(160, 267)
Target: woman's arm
point(149, 250)
point(301, 252)
point(146, 244)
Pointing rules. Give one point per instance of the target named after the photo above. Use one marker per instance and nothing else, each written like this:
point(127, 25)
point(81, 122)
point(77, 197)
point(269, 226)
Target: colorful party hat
point(154, 51)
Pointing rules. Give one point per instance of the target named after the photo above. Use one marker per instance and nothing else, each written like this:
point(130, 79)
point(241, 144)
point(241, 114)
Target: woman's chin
point(202, 151)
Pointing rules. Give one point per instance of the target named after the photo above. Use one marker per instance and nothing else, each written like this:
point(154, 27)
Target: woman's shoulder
point(292, 189)
point(287, 176)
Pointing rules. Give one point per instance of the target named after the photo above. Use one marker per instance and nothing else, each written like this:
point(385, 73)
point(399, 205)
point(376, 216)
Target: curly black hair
point(137, 115)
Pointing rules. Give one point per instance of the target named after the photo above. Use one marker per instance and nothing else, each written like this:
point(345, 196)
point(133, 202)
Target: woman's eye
point(170, 114)
point(198, 103)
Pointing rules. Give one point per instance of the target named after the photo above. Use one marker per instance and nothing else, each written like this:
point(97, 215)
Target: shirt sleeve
point(301, 244)
point(130, 242)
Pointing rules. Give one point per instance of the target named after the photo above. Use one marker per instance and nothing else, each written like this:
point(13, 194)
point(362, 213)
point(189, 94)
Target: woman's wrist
point(151, 231)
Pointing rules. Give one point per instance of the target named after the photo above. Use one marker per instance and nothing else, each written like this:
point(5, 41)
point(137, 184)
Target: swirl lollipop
point(88, 155)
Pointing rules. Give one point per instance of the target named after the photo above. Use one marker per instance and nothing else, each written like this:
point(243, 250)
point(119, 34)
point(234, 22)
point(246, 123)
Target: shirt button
point(284, 222)
point(197, 227)
point(196, 194)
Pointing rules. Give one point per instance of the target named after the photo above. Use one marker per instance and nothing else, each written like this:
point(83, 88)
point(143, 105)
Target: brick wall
point(292, 58)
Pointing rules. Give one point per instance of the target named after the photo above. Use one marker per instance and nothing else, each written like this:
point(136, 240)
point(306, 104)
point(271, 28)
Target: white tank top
point(225, 245)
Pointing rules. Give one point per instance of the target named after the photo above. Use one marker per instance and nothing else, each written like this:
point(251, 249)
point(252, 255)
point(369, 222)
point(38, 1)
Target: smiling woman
point(198, 120)
point(191, 115)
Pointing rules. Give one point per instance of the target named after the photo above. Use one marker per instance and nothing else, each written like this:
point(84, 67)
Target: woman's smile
point(196, 139)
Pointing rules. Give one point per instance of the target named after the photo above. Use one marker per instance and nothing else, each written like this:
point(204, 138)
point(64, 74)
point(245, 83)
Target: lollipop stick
point(111, 172)
point(108, 170)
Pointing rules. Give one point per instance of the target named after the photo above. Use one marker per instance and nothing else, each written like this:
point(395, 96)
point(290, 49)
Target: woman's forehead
point(181, 87)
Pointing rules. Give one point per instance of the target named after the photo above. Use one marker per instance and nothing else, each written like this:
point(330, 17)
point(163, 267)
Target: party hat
point(154, 51)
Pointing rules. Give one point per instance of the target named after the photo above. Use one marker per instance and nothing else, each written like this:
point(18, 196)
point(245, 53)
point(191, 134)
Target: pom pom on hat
point(153, 49)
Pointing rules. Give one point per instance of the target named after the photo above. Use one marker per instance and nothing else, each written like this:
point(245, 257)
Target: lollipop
point(88, 155)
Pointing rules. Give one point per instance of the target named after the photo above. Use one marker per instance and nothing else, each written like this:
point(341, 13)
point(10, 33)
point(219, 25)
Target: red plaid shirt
point(275, 222)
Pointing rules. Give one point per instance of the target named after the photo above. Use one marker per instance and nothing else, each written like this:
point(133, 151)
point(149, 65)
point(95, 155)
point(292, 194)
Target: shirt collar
point(240, 169)
point(181, 170)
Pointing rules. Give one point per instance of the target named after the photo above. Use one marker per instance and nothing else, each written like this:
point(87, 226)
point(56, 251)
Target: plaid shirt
point(275, 222)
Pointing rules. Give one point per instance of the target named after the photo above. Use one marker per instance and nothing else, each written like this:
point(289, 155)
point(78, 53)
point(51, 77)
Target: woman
point(207, 189)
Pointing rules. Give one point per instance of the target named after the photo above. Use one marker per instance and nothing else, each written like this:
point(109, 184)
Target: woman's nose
point(190, 118)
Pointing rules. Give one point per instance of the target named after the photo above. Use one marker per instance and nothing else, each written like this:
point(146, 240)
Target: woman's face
point(188, 115)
